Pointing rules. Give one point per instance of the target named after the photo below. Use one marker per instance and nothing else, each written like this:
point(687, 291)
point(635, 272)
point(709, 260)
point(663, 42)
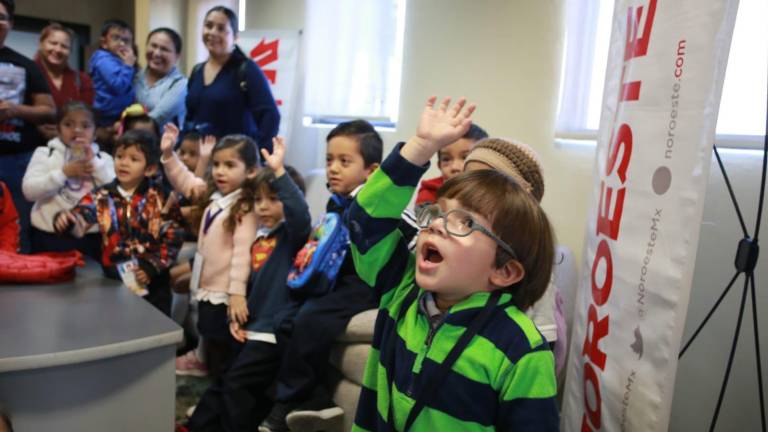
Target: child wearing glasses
point(112, 71)
point(453, 348)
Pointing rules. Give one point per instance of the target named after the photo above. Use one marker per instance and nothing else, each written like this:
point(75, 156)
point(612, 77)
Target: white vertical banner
point(277, 53)
point(664, 78)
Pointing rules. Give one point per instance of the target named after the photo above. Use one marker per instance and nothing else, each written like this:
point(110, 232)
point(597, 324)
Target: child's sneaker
point(327, 420)
point(318, 413)
point(190, 365)
point(275, 421)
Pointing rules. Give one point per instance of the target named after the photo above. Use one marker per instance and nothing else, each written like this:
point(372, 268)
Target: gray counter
point(87, 355)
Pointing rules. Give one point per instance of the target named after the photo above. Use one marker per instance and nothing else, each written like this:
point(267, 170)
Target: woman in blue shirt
point(160, 86)
point(228, 93)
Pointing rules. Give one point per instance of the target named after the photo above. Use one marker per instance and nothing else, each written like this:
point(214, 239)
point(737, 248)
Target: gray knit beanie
point(514, 159)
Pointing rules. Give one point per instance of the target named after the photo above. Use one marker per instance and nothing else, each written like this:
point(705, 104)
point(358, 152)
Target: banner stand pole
point(745, 262)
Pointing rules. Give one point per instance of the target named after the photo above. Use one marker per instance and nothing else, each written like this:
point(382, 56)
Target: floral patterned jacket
point(134, 227)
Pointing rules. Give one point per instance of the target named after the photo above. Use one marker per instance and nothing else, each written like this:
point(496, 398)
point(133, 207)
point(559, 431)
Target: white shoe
point(190, 411)
point(326, 420)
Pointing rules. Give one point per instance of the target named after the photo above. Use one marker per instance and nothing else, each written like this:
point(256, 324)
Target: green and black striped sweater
point(503, 380)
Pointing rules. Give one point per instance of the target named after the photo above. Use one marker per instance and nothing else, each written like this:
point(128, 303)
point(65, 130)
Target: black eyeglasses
point(459, 223)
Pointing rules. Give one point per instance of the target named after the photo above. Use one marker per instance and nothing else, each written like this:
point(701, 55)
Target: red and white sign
point(277, 53)
point(664, 78)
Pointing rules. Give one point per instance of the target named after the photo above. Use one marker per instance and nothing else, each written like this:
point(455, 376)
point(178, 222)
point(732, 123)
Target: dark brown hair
point(54, 26)
point(229, 13)
point(246, 151)
point(517, 219)
point(172, 35)
point(368, 140)
point(266, 176)
point(143, 140)
point(74, 106)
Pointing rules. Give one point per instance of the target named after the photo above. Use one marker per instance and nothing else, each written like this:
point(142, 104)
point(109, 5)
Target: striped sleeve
point(375, 216)
point(529, 387)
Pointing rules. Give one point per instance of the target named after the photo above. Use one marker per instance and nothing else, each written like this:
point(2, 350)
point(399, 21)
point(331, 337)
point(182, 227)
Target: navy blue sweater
point(223, 108)
point(267, 289)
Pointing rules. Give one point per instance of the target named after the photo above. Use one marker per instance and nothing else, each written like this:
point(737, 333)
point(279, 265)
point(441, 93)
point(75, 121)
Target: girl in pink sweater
point(222, 262)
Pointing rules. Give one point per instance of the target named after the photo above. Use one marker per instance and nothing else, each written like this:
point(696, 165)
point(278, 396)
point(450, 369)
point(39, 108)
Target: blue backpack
point(317, 264)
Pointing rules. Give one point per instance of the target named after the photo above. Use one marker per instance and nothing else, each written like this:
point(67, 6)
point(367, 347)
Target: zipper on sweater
point(419, 362)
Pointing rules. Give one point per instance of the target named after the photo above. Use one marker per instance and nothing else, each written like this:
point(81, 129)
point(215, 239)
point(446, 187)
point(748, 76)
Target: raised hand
point(168, 140)
point(444, 124)
point(206, 146)
point(275, 160)
point(438, 127)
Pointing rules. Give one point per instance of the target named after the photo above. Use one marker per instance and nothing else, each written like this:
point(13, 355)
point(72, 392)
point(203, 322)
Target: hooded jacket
point(51, 190)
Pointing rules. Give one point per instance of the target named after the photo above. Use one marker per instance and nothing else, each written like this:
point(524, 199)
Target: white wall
point(88, 12)
point(502, 54)
point(151, 14)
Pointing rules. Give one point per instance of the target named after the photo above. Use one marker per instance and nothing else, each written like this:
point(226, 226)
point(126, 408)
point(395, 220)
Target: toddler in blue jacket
point(112, 69)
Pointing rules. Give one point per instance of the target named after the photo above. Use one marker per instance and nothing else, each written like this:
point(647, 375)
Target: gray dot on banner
point(662, 179)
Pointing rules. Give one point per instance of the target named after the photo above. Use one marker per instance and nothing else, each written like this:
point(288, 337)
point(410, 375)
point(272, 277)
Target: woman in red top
point(66, 84)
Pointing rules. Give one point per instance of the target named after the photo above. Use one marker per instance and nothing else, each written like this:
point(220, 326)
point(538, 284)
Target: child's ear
point(150, 170)
point(510, 273)
point(370, 169)
point(103, 42)
point(252, 172)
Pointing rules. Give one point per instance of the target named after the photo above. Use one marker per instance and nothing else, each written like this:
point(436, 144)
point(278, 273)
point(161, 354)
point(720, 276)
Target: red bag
point(9, 221)
point(46, 267)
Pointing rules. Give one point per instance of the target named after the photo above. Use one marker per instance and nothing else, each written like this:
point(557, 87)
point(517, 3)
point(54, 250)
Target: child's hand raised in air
point(275, 160)
point(238, 309)
point(206, 146)
point(437, 128)
point(168, 140)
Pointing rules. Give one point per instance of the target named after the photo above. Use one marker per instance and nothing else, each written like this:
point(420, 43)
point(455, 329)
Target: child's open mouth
point(431, 254)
